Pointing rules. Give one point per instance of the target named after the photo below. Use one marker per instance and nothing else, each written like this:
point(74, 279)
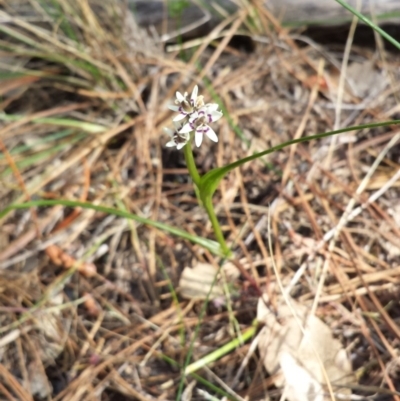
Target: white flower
point(198, 122)
point(178, 139)
point(186, 107)
point(193, 116)
point(196, 101)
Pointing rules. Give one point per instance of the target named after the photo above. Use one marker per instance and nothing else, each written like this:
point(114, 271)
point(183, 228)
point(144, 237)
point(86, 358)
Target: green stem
point(224, 350)
point(207, 203)
point(191, 165)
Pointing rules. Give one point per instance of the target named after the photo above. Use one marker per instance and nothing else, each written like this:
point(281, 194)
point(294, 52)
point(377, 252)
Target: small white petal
point(180, 97)
point(170, 144)
point(198, 138)
point(179, 117)
point(211, 134)
point(186, 128)
point(168, 131)
point(194, 94)
point(177, 125)
point(212, 106)
point(173, 108)
point(215, 115)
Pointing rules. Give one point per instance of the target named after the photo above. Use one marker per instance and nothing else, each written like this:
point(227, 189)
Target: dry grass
point(87, 311)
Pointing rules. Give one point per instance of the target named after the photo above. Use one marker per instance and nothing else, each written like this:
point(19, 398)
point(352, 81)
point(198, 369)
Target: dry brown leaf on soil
point(52, 326)
point(363, 78)
point(196, 282)
point(291, 355)
point(38, 382)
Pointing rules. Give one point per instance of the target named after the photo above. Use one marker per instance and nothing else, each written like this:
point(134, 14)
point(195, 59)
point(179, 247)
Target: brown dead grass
point(102, 328)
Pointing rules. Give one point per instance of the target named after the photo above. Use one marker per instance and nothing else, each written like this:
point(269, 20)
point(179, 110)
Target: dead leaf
point(286, 350)
point(38, 382)
point(363, 78)
point(300, 385)
point(52, 328)
point(195, 283)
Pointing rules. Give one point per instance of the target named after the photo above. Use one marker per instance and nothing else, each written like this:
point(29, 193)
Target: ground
point(93, 306)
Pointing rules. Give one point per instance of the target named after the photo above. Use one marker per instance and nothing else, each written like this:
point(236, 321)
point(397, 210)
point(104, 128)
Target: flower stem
point(207, 203)
point(191, 165)
point(206, 199)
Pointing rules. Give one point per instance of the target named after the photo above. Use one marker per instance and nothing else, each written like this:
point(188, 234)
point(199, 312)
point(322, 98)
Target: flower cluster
point(193, 116)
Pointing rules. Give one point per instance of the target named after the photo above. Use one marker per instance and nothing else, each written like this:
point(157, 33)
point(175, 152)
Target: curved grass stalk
point(368, 22)
point(210, 180)
point(212, 246)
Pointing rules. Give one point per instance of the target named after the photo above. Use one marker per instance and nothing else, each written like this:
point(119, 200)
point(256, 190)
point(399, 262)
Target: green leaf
point(177, 7)
point(209, 181)
point(212, 246)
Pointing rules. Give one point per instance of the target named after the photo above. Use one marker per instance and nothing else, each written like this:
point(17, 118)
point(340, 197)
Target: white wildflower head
point(193, 117)
point(199, 123)
point(184, 106)
point(178, 139)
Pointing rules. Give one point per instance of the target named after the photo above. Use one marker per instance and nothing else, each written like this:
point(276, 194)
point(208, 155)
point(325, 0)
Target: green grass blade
point(40, 156)
point(77, 58)
point(55, 12)
point(39, 142)
point(62, 122)
point(220, 352)
point(368, 22)
point(212, 246)
point(210, 180)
